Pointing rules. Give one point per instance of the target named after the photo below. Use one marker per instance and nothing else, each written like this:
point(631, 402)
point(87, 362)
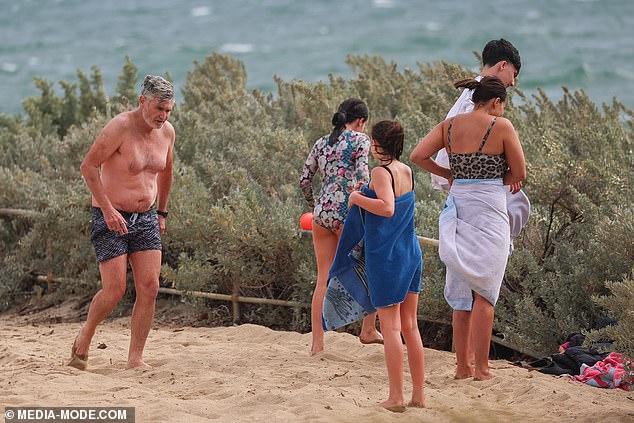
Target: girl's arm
point(383, 205)
point(306, 180)
point(426, 148)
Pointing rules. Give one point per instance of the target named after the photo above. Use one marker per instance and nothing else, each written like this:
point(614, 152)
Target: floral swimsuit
point(341, 166)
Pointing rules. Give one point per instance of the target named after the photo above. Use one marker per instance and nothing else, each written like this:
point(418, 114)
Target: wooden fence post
point(234, 301)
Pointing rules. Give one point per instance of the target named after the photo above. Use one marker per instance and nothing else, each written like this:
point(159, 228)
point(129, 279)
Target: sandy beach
point(250, 373)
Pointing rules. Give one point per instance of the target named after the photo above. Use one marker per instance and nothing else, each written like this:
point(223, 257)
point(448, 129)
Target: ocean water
point(581, 44)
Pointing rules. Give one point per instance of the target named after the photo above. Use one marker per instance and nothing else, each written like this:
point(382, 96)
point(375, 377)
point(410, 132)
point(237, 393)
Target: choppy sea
point(581, 44)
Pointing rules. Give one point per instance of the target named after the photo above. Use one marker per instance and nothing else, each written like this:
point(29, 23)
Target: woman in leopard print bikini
point(485, 155)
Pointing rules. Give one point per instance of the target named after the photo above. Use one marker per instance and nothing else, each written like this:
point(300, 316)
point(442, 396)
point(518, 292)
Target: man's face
point(507, 73)
point(156, 112)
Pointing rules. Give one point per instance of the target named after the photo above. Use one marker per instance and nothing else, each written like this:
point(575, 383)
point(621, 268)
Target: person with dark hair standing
point(342, 160)
point(127, 169)
point(499, 58)
point(485, 154)
point(393, 261)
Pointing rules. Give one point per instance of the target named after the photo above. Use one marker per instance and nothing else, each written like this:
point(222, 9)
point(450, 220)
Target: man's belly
point(132, 195)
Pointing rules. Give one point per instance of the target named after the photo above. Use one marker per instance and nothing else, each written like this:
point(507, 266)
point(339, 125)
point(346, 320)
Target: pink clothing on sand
point(609, 373)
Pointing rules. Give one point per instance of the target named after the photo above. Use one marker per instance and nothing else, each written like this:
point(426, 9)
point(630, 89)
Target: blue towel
point(347, 296)
point(378, 261)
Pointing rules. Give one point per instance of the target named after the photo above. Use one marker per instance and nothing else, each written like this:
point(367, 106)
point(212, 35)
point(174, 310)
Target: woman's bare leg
point(481, 327)
point(325, 243)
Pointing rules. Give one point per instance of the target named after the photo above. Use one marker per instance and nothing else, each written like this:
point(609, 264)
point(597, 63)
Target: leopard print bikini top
point(476, 165)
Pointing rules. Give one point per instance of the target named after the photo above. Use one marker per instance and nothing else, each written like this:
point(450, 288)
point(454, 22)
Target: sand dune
point(250, 373)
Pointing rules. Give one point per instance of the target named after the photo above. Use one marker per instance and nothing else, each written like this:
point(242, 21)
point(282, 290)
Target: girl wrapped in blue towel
point(393, 260)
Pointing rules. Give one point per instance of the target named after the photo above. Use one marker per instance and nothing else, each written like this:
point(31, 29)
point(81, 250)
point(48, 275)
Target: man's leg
point(146, 267)
point(113, 273)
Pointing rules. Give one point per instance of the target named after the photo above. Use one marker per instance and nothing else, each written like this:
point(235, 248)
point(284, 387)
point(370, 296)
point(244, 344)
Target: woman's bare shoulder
point(503, 122)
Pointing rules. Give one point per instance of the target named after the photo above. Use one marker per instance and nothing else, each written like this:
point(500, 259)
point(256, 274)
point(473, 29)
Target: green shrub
point(619, 305)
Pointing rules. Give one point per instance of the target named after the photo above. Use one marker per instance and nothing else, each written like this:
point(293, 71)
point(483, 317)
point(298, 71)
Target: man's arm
point(164, 179)
point(105, 145)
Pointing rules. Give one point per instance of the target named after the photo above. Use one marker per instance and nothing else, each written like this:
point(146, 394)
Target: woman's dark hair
point(349, 111)
point(484, 90)
point(389, 135)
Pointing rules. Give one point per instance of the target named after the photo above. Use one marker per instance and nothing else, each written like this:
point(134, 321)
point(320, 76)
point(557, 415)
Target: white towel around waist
point(474, 240)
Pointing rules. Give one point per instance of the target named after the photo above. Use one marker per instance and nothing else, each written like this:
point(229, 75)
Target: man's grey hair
point(157, 87)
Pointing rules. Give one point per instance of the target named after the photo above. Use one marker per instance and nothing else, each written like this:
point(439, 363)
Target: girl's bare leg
point(325, 244)
point(415, 352)
point(390, 319)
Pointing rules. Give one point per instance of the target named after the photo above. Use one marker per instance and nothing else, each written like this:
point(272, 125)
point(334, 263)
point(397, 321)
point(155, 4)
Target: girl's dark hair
point(389, 135)
point(349, 111)
point(484, 90)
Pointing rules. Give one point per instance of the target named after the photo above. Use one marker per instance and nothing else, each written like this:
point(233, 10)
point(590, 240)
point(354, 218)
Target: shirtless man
point(134, 151)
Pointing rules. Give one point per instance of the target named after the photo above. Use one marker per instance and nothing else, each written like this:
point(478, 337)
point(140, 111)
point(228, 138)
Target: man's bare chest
point(143, 155)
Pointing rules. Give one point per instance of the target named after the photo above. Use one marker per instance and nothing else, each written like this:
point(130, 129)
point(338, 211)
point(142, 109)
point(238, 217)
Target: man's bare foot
point(140, 364)
point(78, 357)
point(463, 372)
point(80, 362)
point(483, 375)
point(374, 337)
point(393, 406)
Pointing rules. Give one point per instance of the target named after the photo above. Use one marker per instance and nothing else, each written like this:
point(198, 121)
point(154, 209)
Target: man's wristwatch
point(162, 213)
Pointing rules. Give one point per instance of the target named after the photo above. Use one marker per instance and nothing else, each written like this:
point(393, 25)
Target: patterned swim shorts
point(143, 234)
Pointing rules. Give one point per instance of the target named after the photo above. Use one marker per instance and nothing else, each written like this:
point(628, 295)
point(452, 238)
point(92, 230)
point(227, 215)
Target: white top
point(464, 104)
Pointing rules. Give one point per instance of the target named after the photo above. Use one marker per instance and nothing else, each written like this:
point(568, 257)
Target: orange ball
point(306, 221)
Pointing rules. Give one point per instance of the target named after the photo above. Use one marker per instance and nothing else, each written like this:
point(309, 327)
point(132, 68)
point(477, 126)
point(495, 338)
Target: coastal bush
point(619, 306)
point(235, 201)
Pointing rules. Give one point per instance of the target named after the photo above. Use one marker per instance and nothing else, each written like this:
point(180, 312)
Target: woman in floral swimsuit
point(342, 160)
